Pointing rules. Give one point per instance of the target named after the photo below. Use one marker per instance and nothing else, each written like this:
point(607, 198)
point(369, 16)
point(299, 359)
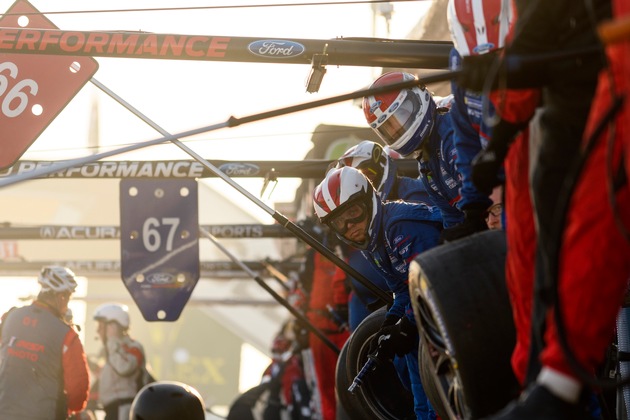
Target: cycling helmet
point(167, 400)
point(58, 279)
point(374, 162)
point(403, 119)
point(113, 312)
point(342, 189)
point(478, 26)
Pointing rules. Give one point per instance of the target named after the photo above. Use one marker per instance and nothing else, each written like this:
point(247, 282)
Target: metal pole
point(300, 316)
point(293, 228)
point(231, 122)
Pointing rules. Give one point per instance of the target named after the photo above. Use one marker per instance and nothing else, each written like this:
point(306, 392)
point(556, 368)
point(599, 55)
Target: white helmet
point(404, 118)
point(113, 312)
point(372, 160)
point(342, 189)
point(58, 279)
point(478, 26)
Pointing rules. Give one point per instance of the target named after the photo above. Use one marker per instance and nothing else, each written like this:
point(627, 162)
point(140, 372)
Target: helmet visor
point(355, 213)
point(401, 120)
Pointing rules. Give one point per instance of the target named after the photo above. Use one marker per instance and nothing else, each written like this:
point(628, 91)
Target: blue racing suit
point(401, 188)
point(471, 135)
point(436, 164)
point(407, 229)
point(409, 189)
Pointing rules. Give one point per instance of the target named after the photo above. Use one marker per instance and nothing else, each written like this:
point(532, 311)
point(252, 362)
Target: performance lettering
point(118, 45)
point(113, 44)
point(113, 169)
point(7, 38)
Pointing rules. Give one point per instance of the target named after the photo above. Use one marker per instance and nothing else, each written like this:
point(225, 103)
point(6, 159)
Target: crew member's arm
point(75, 372)
point(124, 359)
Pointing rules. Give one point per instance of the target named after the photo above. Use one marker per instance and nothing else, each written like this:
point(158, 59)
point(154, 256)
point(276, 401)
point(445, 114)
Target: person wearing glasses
point(389, 234)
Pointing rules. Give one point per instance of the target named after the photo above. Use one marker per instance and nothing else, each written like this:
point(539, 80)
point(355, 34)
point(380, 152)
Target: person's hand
point(474, 221)
point(407, 338)
point(485, 168)
point(398, 339)
point(487, 164)
point(382, 335)
point(475, 70)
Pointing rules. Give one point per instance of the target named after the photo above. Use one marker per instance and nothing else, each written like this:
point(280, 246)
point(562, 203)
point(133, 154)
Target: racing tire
point(381, 394)
point(463, 312)
point(348, 405)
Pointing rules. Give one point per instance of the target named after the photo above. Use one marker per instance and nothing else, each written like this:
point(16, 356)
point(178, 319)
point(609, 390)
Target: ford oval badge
point(276, 48)
point(239, 169)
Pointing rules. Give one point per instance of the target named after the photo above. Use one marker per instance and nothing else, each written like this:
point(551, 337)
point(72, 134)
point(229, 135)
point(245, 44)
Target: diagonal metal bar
point(293, 228)
point(230, 122)
point(300, 316)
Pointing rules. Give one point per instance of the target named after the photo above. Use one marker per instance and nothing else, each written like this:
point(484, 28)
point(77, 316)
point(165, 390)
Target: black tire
point(381, 394)
point(352, 408)
point(461, 305)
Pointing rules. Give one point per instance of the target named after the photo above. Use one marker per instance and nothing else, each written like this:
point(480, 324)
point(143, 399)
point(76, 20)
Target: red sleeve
point(340, 290)
point(516, 105)
point(75, 372)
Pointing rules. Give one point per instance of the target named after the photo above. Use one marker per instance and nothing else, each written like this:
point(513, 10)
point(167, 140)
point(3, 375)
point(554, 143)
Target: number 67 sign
point(159, 242)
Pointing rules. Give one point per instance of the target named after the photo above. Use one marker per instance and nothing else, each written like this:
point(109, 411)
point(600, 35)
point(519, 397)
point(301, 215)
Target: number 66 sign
point(34, 88)
point(159, 242)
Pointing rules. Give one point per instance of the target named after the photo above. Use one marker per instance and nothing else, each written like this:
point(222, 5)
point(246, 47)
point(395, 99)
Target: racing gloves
point(476, 68)
point(486, 165)
point(474, 221)
point(394, 339)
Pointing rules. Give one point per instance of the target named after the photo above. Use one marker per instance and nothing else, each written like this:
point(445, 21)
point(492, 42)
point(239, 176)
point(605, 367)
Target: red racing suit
point(520, 230)
point(565, 88)
point(327, 289)
point(44, 372)
point(594, 263)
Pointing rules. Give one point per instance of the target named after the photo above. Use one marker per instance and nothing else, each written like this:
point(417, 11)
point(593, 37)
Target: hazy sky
point(183, 95)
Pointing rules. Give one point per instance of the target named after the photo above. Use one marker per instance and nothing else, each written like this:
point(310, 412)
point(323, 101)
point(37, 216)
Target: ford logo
point(276, 48)
point(239, 169)
point(161, 278)
point(483, 48)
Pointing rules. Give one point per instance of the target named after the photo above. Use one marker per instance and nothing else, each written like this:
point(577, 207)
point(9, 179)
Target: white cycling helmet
point(113, 312)
point(58, 279)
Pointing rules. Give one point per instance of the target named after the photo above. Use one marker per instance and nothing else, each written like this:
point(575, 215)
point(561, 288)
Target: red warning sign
point(34, 88)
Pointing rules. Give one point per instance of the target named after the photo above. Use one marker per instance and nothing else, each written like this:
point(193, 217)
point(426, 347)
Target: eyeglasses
point(354, 214)
point(495, 210)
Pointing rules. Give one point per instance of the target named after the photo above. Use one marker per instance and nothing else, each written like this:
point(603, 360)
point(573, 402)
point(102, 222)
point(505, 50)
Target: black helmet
point(166, 400)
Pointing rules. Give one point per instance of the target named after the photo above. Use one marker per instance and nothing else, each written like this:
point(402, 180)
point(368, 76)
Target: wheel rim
point(377, 389)
point(441, 365)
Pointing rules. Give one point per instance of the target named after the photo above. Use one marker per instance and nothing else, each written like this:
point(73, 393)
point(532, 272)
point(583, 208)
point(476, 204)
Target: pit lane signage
point(34, 88)
point(159, 225)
